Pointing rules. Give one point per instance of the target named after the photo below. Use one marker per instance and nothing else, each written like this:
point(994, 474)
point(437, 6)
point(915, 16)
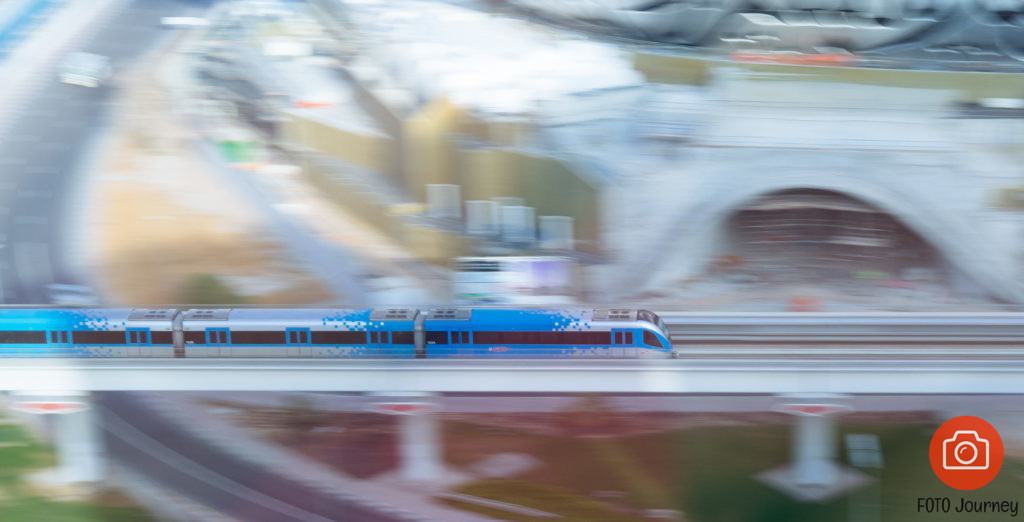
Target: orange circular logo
point(966, 452)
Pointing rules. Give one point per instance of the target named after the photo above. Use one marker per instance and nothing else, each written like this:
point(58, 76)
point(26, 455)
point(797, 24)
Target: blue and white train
point(333, 333)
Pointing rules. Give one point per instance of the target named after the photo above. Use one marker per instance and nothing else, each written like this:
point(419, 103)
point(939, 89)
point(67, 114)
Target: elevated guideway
point(749, 375)
point(864, 328)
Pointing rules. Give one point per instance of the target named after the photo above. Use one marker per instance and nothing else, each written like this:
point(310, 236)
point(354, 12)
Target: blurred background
point(677, 155)
point(749, 156)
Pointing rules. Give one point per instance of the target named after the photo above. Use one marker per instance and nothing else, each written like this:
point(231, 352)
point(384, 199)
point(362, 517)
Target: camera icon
point(965, 450)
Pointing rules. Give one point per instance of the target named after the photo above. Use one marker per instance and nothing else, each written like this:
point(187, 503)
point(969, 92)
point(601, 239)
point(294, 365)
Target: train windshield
point(651, 317)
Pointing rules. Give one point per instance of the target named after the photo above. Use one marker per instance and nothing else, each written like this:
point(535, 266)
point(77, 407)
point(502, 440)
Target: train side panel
point(313, 333)
point(119, 332)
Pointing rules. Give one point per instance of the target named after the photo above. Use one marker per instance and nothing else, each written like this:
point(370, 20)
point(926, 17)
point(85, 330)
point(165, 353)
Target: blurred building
point(665, 163)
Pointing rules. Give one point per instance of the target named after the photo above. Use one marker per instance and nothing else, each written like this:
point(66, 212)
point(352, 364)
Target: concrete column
point(75, 434)
point(419, 435)
point(814, 450)
point(79, 453)
point(814, 441)
point(420, 446)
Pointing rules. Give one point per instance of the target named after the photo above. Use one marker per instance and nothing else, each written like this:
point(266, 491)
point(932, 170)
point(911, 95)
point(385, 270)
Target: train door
point(60, 337)
point(218, 342)
point(380, 344)
point(298, 342)
point(622, 343)
point(138, 338)
point(462, 343)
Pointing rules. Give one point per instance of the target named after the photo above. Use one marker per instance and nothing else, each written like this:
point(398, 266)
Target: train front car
point(118, 332)
point(317, 333)
point(542, 334)
point(655, 333)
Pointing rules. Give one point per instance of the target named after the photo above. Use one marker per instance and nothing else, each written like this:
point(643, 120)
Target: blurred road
point(170, 454)
point(46, 146)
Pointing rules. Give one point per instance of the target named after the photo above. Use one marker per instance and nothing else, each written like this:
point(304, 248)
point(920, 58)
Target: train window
point(651, 340)
point(587, 338)
point(618, 337)
point(465, 337)
point(196, 337)
point(23, 337)
point(628, 338)
point(161, 338)
point(59, 336)
point(298, 335)
point(593, 338)
point(138, 336)
point(456, 338)
point(402, 338)
point(340, 338)
point(546, 338)
point(87, 337)
point(497, 338)
point(651, 317)
point(256, 337)
point(437, 337)
point(217, 336)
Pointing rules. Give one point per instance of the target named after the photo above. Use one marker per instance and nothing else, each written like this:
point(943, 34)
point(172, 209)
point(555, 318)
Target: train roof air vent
point(448, 314)
point(207, 314)
point(615, 314)
point(393, 314)
point(151, 314)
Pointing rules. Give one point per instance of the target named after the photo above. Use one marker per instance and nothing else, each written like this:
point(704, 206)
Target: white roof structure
point(494, 65)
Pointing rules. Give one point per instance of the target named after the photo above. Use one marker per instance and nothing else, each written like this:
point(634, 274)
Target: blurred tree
point(208, 289)
point(303, 415)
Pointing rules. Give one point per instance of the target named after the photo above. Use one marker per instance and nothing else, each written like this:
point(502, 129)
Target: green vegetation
point(303, 414)
point(202, 289)
point(708, 474)
point(19, 455)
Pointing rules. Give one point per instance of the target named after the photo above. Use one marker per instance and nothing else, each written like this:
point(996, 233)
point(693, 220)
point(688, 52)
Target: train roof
point(299, 315)
point(524, 319)
point(70, 318)
point(253, 314)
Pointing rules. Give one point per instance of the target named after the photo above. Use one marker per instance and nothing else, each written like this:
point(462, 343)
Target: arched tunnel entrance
point(826, 239)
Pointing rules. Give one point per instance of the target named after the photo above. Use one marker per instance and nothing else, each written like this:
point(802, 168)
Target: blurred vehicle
point(539, 280)
point(71, 295)
point(85, 69)
point(334, 333)
point(183, 21)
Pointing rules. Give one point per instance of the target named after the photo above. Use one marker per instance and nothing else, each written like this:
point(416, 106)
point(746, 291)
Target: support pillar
point(75, 435)
point(814, 475)
point(79, 454)
point(419, 439)
point(420, 447)
point(814, 451)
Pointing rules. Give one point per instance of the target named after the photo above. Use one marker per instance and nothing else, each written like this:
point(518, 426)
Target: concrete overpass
point(769, 374)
